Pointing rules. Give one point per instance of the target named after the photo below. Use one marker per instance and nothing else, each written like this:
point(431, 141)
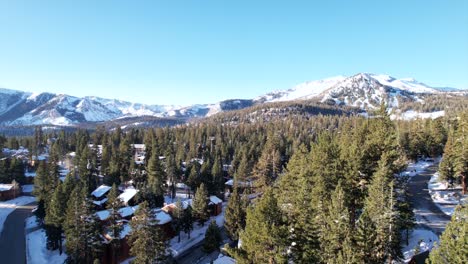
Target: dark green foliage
point(114, 226)
point(156, 180)
point(200, 204)
point(146, 239)
point(55, 218)
point(82, 229)
point(453, 247)
point(212, 237)
point(234, 217)
point(264, 239)
point(187, 221)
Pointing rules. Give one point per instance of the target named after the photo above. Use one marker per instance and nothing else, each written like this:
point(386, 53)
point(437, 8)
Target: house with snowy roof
point(9, 191)
point(99, 195)
point(127, 195)
point(215, 205)
point(139, 153)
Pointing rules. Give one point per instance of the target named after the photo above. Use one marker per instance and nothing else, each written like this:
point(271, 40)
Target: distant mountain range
point(363, 90)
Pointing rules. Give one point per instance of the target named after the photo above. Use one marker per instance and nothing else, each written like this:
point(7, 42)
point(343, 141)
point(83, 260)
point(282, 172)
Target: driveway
point(12, 239)
point(428, 215)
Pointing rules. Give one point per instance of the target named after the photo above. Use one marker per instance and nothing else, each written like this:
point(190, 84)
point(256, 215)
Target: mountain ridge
point(362, 90)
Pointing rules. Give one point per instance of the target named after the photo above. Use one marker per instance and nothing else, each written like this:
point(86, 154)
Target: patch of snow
point(420, 239)
point(36, 252)
point(100, 191)
point(222, 259)
point(5, 187)
point(28, 188)
point(196, 236)
point(411, 115)
point(446, 199)
point(30, 174)
point(31, 222)
point(128, 194)
point(215, 200)
point(128, 211)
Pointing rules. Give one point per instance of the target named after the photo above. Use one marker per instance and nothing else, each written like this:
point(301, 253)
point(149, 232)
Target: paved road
point(12, 239)
point(428, 215)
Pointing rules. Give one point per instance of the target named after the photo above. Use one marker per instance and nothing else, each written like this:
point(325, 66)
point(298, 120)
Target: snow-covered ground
point(7, 207)
point(420, 239)
point(197, 235)
point(415, 168)
point(445, 199)
point(31, 222)
point(36, 252)
point(28, 188)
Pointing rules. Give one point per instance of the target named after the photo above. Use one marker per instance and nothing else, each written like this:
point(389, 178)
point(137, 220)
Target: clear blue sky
point(183, 52)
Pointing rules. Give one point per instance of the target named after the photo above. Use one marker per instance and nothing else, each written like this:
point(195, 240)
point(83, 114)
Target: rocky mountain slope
point(363, 90)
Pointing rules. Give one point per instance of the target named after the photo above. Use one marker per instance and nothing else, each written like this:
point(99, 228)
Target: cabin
point(127, 195)
point(9, 191)
point(164, 222)
point(99, 195)
point(215, 205)
point(139, 153)
point(241, 185)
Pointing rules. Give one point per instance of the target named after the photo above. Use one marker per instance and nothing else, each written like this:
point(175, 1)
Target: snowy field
point(196, 236)
point(419, 239)
point(445, 199)
point(36, 252)
point(7, 207)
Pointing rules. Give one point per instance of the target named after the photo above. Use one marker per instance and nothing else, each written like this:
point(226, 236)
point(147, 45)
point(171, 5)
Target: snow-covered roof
point(128, 210)
point(101, 190)
point(30, 174)
point(125, 231)
point(103, 215)
point(5, 187)
point(139, 146)
point(128, 194)
point(163, 217)
point(182, 186)
point(239, 183)
point(224, 260)
point(100, 202)
point(215, 200)
point(186, 203)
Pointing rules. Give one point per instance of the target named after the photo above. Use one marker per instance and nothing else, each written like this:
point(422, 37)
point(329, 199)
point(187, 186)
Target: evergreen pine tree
point(55, 218)
point(453, 247)
point(336, 226)
point(233, 214)
point(264, 239)
point(187, 220)
point(146, 239)
point(114, 226)
point(177, 218)
point(200, 205)
point(212, 237)
point(156, 180)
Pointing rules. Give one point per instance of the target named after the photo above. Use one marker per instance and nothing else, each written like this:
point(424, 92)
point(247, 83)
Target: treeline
point(337, 201)
point(325, 184)
point(437, 102)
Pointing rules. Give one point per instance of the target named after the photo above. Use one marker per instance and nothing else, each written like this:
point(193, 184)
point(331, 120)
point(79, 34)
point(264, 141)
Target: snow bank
point(36, 252)
point(415, 168)
point(420, 239)
point(31, 222)
point(196, 236)
point(445, 199)
point(7, 207)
